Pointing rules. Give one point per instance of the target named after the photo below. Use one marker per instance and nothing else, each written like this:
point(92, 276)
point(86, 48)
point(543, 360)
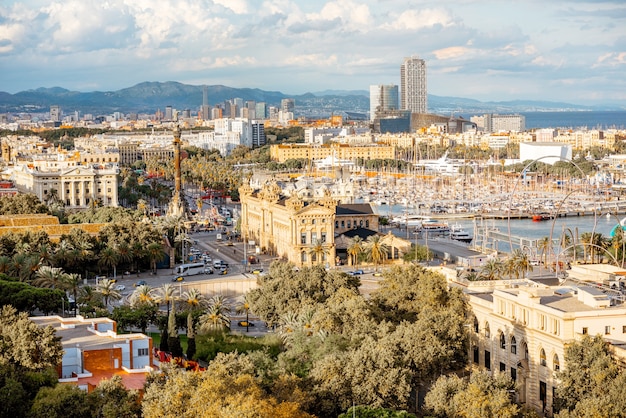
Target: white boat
point(458, 233)
point(433, 226)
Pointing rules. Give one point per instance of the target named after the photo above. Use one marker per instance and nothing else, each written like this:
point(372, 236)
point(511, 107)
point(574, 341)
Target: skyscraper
point(413, 93)
point(55, 113)
point(383, 97)
point(206, 110)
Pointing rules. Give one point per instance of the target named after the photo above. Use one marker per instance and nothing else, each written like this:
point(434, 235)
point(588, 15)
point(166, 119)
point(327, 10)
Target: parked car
point(141, 283)
point(245, 324)
point(257, 271)
point(120, 287)
point(208, 270)
point(355, 272)
point(178, 279)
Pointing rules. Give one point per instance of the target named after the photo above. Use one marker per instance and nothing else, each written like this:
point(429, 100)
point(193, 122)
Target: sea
point(574, 120)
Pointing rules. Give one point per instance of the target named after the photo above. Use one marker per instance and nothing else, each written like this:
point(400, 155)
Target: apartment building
point(284, 152)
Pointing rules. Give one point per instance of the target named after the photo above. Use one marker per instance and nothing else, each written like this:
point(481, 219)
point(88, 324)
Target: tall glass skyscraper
point(413, 93)
point(382, 98)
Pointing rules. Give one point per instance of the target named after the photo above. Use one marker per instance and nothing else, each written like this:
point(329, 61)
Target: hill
point(147, 97)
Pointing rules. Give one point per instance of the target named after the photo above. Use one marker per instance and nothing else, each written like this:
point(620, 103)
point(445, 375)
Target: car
point(377, 274)
point(534, 262)
point(141, 283)
point(120, 287)
point(178, 279)
point(355, 272)
point(245, 324)
point(257, 271)
point(224, 271)
point(113, 280)
point(229, 244)
point(208, 270)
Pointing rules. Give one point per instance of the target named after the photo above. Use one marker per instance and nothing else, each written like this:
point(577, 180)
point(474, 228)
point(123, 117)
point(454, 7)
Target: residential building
point(493, 122)
point(284, 152)
point(258, 134)
point(413, 91)
point(55, 113)
point(93, 351)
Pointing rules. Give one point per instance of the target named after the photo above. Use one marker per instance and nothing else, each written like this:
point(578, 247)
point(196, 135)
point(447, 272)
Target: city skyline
point(529, 50)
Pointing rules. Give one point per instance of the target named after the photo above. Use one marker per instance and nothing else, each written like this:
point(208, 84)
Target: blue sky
point(558, 50)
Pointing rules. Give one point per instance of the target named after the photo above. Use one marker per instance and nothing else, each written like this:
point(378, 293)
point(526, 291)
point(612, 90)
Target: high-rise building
point(169, 113)
point(261, 110)
point(383, 97)
point(55, 113)
point(206, 110)
point(413, 92)
point(258, 134)
point(287, 105)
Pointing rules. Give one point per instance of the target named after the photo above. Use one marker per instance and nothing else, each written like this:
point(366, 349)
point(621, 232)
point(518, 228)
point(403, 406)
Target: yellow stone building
point(284, 152)
point(305, 232)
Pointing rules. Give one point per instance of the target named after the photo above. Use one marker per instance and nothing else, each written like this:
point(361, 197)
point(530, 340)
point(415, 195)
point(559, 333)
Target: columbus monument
point(178, 204)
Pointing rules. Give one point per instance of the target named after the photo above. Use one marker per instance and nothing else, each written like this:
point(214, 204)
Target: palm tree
point(376, 249)
point(156, 255)
point(109, 259)
point(142, 295)
point(50, 277)
point(166, 295)
point(522, 263)
point(492, 269)
point(244, 307)
point(318, 251)
point(71, 282)
point(216, 318)
point(355, 248)
point(193, 300)
point(106, 288)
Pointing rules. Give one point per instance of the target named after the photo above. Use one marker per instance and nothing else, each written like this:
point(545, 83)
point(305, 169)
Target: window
point(361, 223)
point(513, 346)
point(142, 352)
point(476, 359)
point(313, 221)
point(343, 224)
point(349, 224)
point(585, 330)
point(367, 223)
point(607, 330)
point(303, 257)
point(542, 357)
point(487, 332)
point(336, 224)
point(313, 257)
point(313, 237)
point(487, 360)
point(476, 326)
point(323, 236)
point(623, 329)
point(502, 367)
point(513, 374)
point(557, 363)
point(303, 238)
point(502, 341)
point(303, 221)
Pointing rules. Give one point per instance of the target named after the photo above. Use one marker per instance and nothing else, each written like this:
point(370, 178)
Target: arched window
point(476, 326)
point(542, 357)
point(487, 332)
point(525, 348)
point(303, 257)
point(557, 364)
point(513, 345)
point(502, 341)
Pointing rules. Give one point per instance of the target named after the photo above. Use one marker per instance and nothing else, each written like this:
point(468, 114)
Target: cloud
point(420, 19)
point(237, 6)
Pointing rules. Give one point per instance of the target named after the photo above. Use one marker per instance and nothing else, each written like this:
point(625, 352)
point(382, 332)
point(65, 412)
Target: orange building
point(93, 351)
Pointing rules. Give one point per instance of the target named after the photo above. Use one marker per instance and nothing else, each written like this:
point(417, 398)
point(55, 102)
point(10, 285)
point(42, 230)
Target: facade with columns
point(289, 227)
point(523, 331)
point(75, 186)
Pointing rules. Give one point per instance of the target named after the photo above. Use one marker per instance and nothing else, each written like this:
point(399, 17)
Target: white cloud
point(420, 19)
point(237, 6)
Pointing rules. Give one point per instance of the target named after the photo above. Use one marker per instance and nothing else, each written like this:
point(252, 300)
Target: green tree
point(61, 400)
point(111, 399)
point(355, 248)
point(106, 289)
point(376, 249)
point(156, 255)
point(492, 269)
point(319, 251)
point(483, 395)
point(50, 277)
point(217, 318)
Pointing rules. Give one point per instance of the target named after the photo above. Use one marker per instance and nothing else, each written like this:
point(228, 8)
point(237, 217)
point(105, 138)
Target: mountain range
point(147, 97)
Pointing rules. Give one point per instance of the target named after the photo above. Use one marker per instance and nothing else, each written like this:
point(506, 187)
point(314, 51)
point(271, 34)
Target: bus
point(189, 269)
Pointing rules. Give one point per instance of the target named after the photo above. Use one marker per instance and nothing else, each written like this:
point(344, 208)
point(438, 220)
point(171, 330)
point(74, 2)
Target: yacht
point(458, 233)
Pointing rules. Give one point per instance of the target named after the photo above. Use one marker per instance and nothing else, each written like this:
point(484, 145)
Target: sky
point(572, 51)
